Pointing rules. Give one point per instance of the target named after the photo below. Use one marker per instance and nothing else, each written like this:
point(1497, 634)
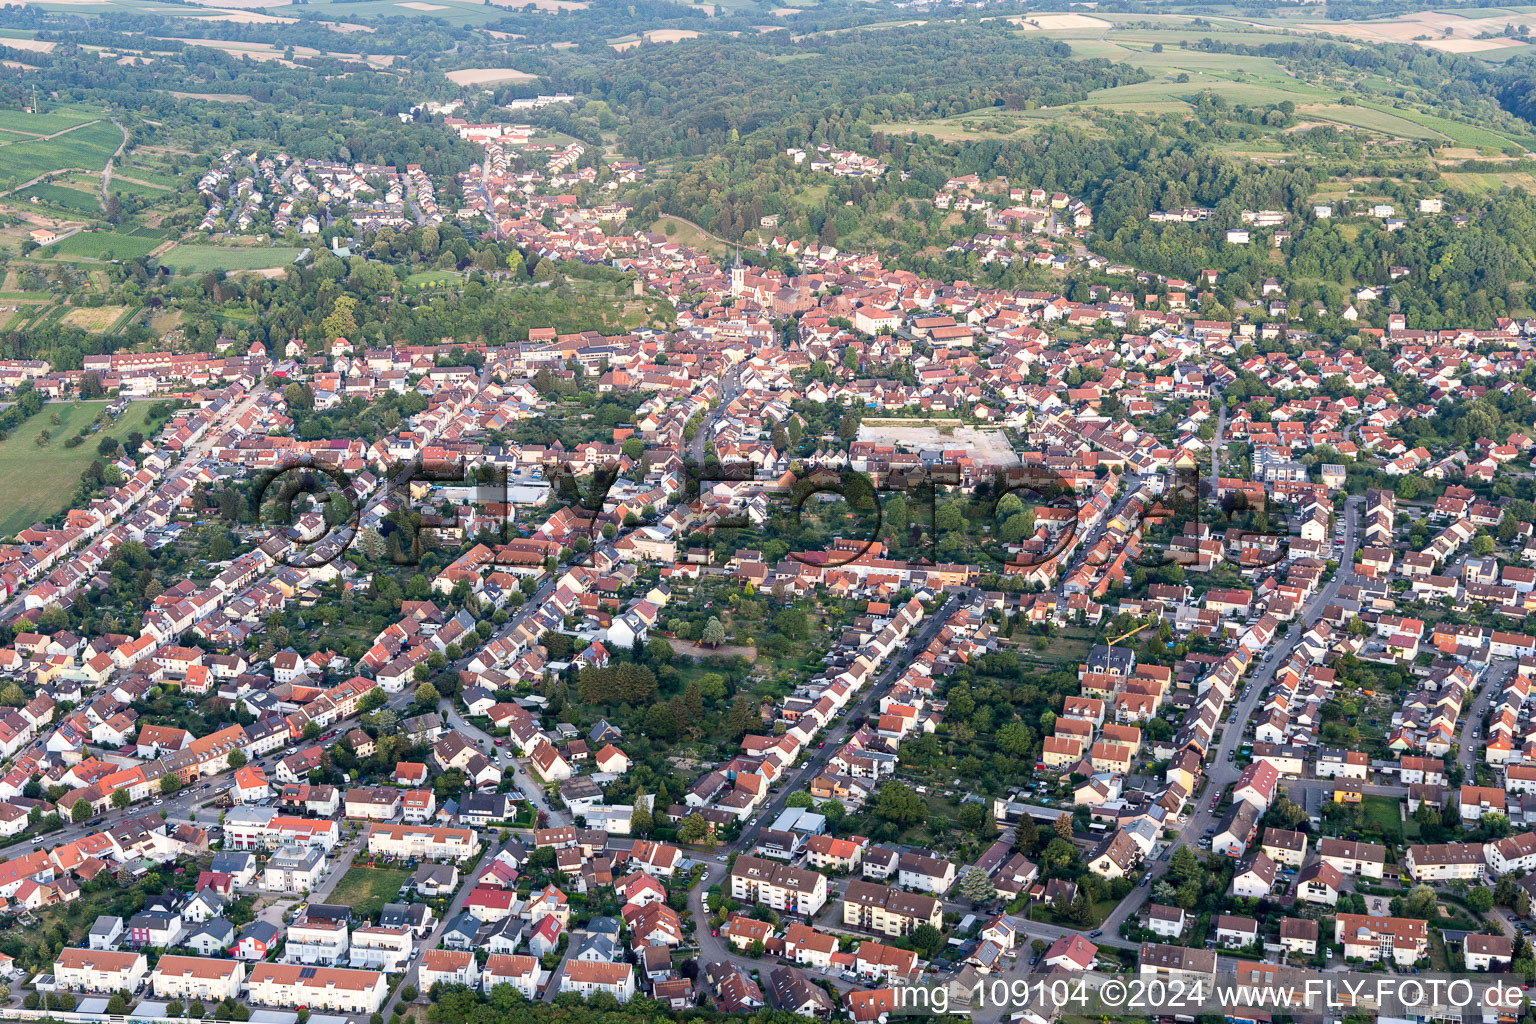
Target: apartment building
point(1399, 940)
point(1444, 862)
point(521, 972)
point(780, 886)
point(1512, 853)
point(930, 874)
point(381, 948)
point(294, 868)
point(1367, 860)
point(99, 970)
point(618, 980)
point(325, 988)
point(888, 910)
point(422, 842)
point(373, 803)
point(193, 977)
point(448, 966)
point(316, 941)
point(1159, 959)
point(262, 828)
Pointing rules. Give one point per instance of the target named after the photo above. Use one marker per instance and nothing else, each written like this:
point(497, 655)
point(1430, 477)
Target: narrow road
point(106, 172)
point(730, 387)
point(526, 784)
point(1222, 771)
point(1216, 442)
point(430, 942)
point(1472, 719)
point(790, 783)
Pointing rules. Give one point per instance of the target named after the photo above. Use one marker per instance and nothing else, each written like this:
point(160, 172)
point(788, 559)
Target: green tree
point(898, 804)
point(977, 887)
point(81, 811)
point(340, 323)
point(1421, 902)
point(927, 940)
point(714, 633)
point(693, 829)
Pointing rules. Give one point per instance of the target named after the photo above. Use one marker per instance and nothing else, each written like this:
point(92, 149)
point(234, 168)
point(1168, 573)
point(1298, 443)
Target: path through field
point(106, 172)
point(43, 138)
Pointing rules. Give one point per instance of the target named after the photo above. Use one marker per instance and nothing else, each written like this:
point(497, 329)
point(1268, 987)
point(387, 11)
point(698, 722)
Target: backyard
point(367, 889)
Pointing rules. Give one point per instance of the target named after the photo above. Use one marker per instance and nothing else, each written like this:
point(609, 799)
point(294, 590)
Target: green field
point(1384, 121)
point(75, 200)
point(87, 147)
point(1458, 132)
point(197, 259)
point(101, 245)
point(1384, 813)
point(454, 12)
point(433, 278)
point(44, 124)
point(366, 889)
point(40, 480)
point(149, 174)
point(119, 186)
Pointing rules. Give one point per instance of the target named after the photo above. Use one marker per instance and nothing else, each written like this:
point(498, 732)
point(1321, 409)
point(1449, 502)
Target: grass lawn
point(1382, 812)
point(123, 186)
point(40, 480)
point(433, 278)
point(366, 889)
point(196, 259)
point(1100, 910)
point(677, 230)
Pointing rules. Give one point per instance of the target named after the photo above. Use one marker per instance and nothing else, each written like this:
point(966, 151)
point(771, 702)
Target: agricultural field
point(488, 76)
point(453, 12)
point(100, 245)
point(19, 122)
point(197, 259)
point(1372, 119)
point(41, 478)
point(88, 147)
point(94, 318)
point(1489, 181)
point(76, 200)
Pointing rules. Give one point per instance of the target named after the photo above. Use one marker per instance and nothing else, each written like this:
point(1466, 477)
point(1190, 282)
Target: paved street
point(817, 760)
point(1222, 772)
point(515, 767)
point(430, 942)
